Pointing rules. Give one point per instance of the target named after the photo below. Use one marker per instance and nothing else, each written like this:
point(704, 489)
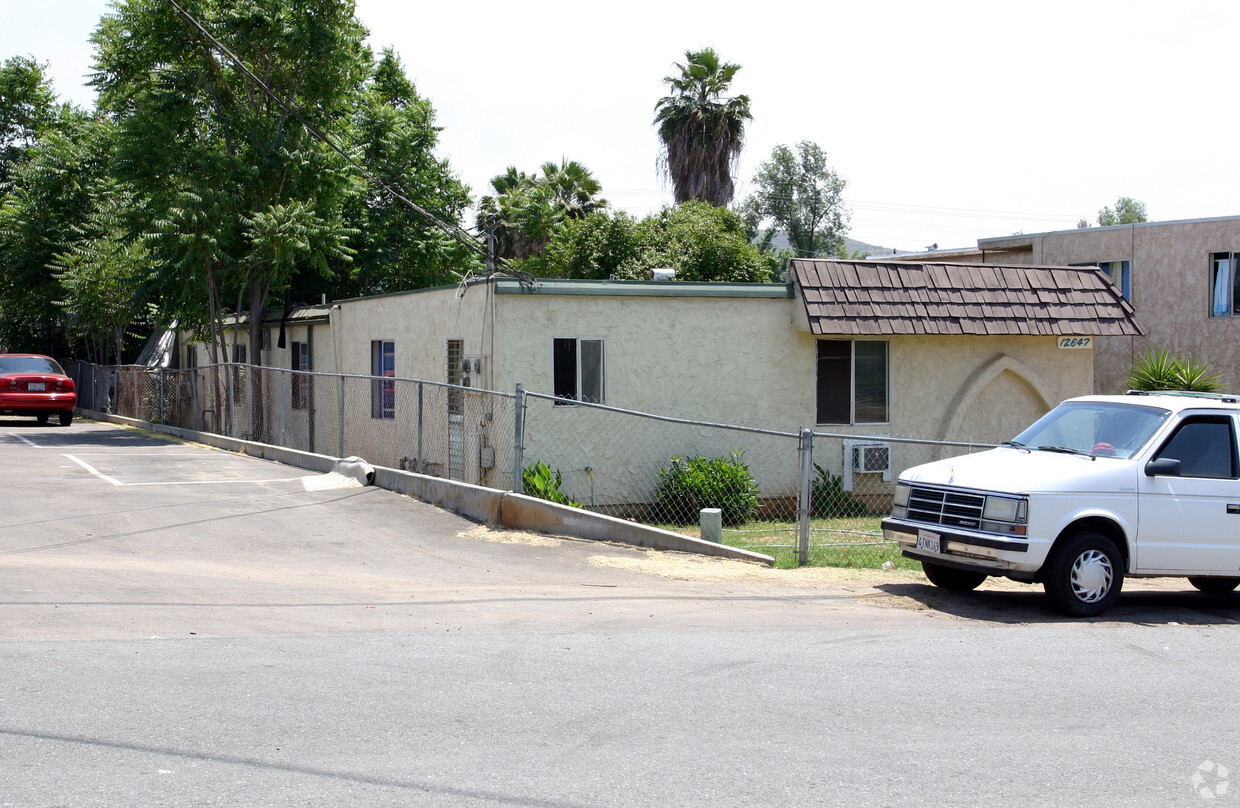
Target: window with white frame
point(577, 370)
point(300, 359)
point(852, 382)
point(383, 389)
point(1224, 285)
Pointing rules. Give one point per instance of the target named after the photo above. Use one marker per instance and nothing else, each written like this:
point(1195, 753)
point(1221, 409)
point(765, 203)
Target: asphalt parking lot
point(110, 532)
point(181, 626)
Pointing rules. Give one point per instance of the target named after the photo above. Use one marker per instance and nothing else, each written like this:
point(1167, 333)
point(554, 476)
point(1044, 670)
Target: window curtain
point(1222, 287)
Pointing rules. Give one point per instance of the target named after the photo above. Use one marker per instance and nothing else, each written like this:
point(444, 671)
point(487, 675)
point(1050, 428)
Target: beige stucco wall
point(748, 361)
point(752, 362)
point(1170, 272)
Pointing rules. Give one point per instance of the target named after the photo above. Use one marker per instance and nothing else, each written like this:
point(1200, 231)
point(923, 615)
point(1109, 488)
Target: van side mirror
point(1163, 467)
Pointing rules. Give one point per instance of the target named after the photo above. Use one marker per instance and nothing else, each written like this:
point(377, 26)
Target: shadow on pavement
point(1029, 605)
point(80, 434)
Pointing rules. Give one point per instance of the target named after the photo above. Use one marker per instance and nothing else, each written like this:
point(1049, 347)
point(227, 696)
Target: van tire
point(1084, 574)
point(1214, 586)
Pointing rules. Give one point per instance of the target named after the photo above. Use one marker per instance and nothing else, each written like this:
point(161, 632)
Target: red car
point(36, 386)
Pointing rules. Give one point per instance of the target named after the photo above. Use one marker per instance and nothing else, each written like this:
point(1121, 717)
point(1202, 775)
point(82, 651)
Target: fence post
point(803, 500)
point(341, 416)
point(421, 457)
point(518, 419)
point(193, 395)
point(283, 403)
point(162, 393)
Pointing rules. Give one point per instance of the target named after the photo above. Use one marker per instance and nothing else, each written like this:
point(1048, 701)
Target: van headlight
point(899, 502)
point(1005, 515)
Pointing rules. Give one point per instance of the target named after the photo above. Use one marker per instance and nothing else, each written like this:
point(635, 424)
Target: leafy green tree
point(702, 243)
point(103, 275)
point(1127, 211)
point(205, 145)
point(599, 246)
point(27, 108)
point(701, 129)
point(49, 199)
point(799, 194)
point(697, 240)
point(396, 246)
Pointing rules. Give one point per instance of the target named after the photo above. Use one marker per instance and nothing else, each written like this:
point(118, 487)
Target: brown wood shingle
point(869, 298)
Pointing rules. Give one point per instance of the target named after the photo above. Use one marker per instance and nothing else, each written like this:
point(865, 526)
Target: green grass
point(855, 542)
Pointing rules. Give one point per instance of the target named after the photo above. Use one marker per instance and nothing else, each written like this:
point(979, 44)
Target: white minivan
point(1143, 485)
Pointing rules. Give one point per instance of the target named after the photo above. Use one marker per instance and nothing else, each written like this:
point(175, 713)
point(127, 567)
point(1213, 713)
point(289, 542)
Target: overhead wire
point(456, 232)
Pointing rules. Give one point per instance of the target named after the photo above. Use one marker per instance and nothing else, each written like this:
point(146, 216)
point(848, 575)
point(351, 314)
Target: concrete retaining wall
point(487, 505)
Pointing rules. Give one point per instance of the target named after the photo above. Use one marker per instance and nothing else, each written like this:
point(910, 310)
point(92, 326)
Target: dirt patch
point(500, 536)
point(688, 567)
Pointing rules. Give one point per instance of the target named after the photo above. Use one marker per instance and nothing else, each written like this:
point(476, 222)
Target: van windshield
point(1104, 429)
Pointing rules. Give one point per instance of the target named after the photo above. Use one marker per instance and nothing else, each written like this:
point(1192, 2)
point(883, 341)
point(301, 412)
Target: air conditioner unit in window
point(866, 457)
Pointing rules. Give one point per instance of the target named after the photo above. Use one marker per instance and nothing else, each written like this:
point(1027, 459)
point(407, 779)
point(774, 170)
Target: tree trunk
point(258, 297)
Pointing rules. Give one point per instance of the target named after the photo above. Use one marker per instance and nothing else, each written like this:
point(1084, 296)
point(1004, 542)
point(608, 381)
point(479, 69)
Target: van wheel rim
point(1092, 576)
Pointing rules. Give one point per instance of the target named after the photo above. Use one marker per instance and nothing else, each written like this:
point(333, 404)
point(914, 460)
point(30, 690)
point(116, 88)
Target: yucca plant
point(1158, 369)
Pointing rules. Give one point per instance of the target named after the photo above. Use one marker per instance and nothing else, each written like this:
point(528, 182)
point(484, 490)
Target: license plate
point(37, 387)
point(928, 541)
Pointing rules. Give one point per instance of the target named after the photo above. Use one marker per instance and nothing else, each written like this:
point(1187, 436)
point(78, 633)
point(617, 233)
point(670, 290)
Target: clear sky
point(951, 121)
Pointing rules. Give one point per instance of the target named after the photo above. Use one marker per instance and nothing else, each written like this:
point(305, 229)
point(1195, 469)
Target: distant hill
point(851, 244)
point(868, 250)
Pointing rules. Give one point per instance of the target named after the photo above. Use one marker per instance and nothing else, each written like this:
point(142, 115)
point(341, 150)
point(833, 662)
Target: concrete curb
point(487, 505)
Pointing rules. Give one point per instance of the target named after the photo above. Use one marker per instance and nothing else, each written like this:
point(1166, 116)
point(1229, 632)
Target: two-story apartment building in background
point(1181, 277)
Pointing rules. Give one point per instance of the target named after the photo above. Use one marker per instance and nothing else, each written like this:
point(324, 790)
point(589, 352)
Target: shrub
point(540, 482)
point(829, 499)
point(1160, 370)
point(690, 484)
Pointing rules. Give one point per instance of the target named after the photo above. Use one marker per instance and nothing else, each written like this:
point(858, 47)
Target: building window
point(383, 390)
point(852, 382)
point(577, 370)
point(1224, 291)
point(301, 382)
point(1120, 273)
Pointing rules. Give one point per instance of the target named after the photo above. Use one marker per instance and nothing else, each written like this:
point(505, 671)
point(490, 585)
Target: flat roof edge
point(997, 241)
point(614, 288)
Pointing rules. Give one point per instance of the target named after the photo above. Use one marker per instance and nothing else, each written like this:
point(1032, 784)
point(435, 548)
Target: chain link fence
point(802, 497)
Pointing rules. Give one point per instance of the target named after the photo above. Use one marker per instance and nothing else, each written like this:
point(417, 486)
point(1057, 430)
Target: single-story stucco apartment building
point(925, 350)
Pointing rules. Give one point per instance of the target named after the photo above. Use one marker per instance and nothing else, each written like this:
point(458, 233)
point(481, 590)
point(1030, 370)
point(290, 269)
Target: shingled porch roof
point(873, 298)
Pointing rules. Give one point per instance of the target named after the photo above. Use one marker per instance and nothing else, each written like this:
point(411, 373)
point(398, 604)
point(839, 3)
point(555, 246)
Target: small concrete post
point(711, 522)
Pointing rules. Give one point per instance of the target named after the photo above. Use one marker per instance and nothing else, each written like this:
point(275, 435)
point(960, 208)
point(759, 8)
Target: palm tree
point(702, 130)
point(526, 208)
point(574, 187)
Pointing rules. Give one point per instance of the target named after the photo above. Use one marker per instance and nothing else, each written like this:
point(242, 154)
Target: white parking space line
point(94, 470)
point(24, 439)
point(115, 481)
